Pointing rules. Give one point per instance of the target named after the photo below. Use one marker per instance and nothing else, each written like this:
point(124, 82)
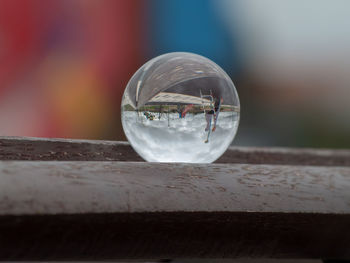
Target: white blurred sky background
point(298, 54)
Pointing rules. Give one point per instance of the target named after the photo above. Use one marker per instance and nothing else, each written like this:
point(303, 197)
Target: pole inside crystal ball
point(180, 107)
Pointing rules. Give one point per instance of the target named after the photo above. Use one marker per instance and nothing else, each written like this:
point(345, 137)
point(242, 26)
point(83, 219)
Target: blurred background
point(64, 64)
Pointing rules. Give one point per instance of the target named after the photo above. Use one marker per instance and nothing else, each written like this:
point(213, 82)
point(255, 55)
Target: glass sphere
point(180, 107)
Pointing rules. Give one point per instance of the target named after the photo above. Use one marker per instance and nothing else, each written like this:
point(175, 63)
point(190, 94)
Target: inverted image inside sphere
point(180, 107)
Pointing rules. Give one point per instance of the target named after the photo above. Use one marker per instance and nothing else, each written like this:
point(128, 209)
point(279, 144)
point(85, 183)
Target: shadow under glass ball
point(180, 107)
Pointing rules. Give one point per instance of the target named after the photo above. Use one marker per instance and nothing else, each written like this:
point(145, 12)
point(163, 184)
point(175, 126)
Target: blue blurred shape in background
point(192, 26)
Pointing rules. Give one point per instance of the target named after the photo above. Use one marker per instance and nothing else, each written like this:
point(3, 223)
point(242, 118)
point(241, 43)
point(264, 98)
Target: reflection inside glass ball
point(180, 107)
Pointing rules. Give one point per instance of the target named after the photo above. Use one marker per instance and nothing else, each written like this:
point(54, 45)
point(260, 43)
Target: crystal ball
point(180, 107)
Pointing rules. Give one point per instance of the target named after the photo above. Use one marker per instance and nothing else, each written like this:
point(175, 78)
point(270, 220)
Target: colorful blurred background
point(64, 64)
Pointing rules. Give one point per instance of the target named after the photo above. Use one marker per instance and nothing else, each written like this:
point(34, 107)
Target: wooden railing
point(97, 200)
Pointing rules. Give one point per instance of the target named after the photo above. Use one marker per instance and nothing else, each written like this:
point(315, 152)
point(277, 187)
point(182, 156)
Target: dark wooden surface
point(98, 209)
point(19, 148)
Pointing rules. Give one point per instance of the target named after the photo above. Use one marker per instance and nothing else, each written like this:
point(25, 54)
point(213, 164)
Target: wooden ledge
point(96, 200)
point(24, 148)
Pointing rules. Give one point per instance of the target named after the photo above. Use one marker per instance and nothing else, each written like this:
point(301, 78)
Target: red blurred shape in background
point(64, 65)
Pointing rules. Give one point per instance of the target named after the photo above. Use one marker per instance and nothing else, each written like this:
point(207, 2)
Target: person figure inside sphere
point(187, 109)
point(179, 110)
point(213, 112)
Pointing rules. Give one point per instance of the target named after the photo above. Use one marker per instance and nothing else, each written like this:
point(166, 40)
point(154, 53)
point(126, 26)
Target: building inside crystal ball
point(180, 107)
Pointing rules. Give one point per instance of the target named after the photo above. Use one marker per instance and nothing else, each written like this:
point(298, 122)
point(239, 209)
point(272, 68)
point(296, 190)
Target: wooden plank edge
point(174, 235)
point(27, 148)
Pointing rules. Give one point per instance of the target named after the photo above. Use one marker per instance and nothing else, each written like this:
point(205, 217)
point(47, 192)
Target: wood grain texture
point(20, 148)
point(97, 200)
point(112, 210)
point(52, 187)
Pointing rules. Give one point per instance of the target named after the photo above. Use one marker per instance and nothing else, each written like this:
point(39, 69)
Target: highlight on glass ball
point(180, 107)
